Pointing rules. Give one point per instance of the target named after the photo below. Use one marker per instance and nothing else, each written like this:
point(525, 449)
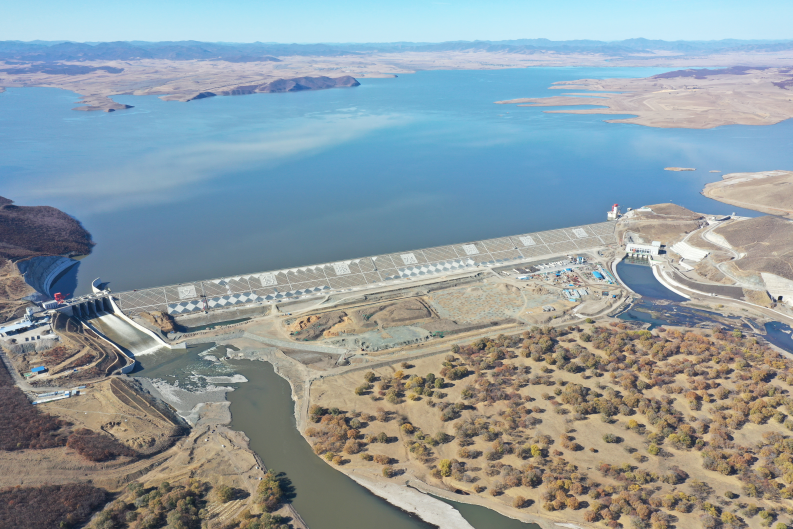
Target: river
point(173, 192)
point(263, 408)
point(325, 498)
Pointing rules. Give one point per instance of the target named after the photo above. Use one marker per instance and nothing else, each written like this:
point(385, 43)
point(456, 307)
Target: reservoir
point(173, 192)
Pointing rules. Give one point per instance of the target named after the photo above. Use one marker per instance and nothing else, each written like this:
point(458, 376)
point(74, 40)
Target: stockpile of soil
point(399, 313)
point(313, 327)
point(163, 320)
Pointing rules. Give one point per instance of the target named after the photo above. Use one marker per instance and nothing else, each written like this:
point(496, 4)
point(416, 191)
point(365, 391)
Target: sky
point(332, 21)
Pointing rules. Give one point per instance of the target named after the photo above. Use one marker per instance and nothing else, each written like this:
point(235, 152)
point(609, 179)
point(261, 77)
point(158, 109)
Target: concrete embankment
point(44, 271)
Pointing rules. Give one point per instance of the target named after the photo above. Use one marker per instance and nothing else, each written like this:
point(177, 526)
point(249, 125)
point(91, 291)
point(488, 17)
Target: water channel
point(263, 408)
point(325, 498)
point(660, 306)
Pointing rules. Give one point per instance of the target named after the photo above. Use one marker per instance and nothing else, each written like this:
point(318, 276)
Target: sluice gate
point(99, 313)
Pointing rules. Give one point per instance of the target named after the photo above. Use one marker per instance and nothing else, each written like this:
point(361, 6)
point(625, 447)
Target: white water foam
point(122, 333)
point(234, 379)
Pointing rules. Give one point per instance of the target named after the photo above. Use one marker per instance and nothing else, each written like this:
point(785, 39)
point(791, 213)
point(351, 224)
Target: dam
point(100, 313)
point(364, 273)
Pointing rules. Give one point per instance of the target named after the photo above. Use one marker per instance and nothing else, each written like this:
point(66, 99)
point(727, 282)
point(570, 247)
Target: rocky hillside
point(27, 232)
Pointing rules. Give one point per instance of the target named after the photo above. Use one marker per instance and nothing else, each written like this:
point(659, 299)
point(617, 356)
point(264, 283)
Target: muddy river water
point(324, 497)
point(263, 408)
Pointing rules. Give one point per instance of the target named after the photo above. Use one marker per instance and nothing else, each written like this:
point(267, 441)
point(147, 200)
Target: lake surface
point(175, 191)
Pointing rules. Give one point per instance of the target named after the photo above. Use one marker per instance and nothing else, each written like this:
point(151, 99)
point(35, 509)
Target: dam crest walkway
point(364, 272)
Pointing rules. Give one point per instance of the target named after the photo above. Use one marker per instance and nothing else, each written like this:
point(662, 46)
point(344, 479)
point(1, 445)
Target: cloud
point(171, 175)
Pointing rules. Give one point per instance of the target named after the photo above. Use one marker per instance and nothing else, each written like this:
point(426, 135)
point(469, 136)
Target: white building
point(642, 249)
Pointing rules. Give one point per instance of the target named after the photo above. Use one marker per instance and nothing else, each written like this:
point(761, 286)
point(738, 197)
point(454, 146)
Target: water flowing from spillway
point(125, 335)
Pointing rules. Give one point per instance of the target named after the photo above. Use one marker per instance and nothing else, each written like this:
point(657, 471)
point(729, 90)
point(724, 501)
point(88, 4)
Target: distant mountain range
point(47, 51)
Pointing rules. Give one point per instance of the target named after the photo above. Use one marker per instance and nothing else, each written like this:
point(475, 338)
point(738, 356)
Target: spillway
point(123, 334)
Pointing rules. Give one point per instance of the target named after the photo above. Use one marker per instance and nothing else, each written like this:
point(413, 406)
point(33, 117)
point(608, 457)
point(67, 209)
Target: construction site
point(73, 358)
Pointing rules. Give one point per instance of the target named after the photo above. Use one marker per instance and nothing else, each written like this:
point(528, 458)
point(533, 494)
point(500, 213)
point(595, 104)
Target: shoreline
point(671, 100)
point(409, 494)
point(758, 191)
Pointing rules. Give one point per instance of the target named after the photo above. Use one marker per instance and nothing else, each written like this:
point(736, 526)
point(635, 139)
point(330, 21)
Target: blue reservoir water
point(180, 191)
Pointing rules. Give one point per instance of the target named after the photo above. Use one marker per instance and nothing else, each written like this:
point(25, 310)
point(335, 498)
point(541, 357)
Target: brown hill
point(767, 243)
point(27, 231)
point(32, 231)
point(766, 191)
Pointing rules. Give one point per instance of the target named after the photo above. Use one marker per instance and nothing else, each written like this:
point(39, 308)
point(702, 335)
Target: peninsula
point(766, 191)
point(194, 70)
point(692, 99)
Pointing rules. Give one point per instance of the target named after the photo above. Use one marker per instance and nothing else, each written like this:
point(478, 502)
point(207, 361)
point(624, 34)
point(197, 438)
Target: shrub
point(389, 472)
point(381, 459)
point(49, 505)
point(224, 493)
point(24, 425)
point(611, 438)
point(519, 502)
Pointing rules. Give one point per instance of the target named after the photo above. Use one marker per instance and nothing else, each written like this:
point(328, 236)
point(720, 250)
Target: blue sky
point(308, 21)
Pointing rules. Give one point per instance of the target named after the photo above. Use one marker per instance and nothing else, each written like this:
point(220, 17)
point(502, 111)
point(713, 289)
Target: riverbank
point(272, 408)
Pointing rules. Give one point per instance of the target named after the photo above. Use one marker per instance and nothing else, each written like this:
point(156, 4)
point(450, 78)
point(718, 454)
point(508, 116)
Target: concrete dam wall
point(43, 271)
point(354, 274)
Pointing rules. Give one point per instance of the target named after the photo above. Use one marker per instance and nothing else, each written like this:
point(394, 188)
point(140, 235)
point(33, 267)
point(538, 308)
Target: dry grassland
point(666, 429)
point(767, 191)
point(732, 96)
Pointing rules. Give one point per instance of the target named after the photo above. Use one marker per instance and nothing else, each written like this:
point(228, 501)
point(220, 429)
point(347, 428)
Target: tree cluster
point(49, 506)
point(181, 506)
point(97, 447)
point(23, 425)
